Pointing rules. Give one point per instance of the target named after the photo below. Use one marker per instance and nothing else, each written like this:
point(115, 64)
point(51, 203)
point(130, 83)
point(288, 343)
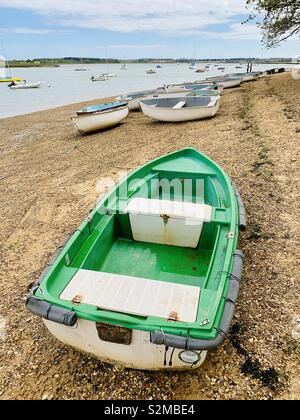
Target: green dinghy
point(154, 267)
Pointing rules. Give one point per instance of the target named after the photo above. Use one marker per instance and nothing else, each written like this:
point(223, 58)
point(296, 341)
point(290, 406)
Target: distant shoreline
point(52, 63)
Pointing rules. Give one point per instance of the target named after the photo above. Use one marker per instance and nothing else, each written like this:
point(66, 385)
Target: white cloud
point(25, 31)
point(243, 32)
point(168, 17)
point(134, 47)
point(236, 31)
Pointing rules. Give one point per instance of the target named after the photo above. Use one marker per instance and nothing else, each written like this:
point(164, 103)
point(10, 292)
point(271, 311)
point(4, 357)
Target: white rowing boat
point(193, 93)
point(132, 99)
point(180, 109)
point(186, 87)
point(227, 82)
point(100, 117)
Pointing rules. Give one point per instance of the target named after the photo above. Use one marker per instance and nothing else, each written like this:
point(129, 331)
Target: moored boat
point(151, 72)
point(10, 79)
point(181, 109)
point(99, 117)
point(24, 85)
point(151, 278)
point(109, 75)
point(82, 68)
point(5, 78)
point(100, 78)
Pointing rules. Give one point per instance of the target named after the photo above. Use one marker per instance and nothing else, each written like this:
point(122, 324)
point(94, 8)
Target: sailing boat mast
point(6, 63)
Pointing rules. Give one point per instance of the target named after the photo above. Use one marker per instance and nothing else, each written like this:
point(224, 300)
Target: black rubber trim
point(50, 312)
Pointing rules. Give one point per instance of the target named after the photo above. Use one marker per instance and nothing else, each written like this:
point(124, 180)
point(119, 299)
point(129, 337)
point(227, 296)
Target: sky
point(132, 29)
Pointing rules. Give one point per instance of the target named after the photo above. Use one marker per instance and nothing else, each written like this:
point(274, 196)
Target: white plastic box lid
point(173, 209)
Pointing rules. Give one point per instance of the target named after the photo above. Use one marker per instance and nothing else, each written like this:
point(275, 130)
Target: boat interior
point(164, 226)
point(187, 101)
point(201, 87)
point(101, 107)
point(137, 95)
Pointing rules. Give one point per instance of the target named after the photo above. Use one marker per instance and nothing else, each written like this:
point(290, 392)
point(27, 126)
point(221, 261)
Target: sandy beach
point(48, 183)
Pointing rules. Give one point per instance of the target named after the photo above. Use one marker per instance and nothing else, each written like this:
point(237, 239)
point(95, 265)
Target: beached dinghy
point(204, 92)
point(154, 267)
point(227, 82)
point(24, 85)
point(184, 108)
point(132, 99)
point(246, 77)
point(206, 84)
point(100, 117)
point(193, 93)
point(185, 87)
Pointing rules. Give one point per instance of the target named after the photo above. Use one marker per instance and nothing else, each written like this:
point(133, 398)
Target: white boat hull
point(175, 89)
point(140, 354)
point(134, 105)
point(228, 84)
point(183, 89)
point(99, 121)
point(99, 79)
point(26, 86)
point(248, 78)
point(179, 115)
point(179, 95)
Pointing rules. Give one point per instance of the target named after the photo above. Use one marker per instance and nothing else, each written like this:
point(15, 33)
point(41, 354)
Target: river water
point(63, 85)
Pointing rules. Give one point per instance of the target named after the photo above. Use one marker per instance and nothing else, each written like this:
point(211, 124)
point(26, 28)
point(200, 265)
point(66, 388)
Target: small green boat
point(151, 278)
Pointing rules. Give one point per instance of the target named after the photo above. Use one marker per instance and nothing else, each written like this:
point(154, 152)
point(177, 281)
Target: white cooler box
point(167, 222)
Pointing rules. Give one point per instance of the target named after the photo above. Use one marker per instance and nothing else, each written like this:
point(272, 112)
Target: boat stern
point(124, 348)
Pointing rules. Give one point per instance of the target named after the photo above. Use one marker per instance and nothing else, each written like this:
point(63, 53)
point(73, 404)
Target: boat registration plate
point(114, 334)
